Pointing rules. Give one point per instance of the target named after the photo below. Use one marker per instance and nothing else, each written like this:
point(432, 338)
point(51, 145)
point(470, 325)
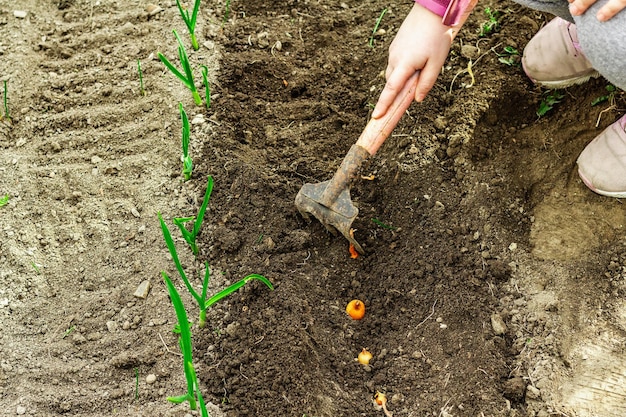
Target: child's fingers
point(395, 82)
point(578, 7)
point(425, 82)
point(610, 9)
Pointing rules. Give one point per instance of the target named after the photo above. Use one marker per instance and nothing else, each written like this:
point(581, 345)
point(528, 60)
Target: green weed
point(550, 98)
point(4, 200)
point(383, 225)
point(187, 78)
point(142, 91)
point(380, 18)
point(68, 331)
point(610, 96)
point(491, 25)
point(187, 162)
point(509, 56)
point(190, 21)
point(136, 383)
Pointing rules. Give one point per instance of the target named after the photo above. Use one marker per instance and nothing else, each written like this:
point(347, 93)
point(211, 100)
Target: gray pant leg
point(603, 43)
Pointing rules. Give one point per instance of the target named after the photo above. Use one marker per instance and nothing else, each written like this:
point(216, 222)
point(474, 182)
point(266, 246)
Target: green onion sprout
point(186, 79)
point(187, 162)
point(190, 21)
point(190, 237)
point(207, 86)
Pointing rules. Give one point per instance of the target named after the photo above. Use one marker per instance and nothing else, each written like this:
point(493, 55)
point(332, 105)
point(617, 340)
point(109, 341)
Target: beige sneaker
point(602, 164)
point(553, 57)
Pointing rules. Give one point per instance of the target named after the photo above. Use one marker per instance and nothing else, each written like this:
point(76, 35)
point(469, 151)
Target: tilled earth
point(493, 279)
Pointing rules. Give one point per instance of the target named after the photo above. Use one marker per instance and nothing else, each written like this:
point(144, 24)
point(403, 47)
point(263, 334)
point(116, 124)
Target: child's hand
point(422, 44)
point(610, 9)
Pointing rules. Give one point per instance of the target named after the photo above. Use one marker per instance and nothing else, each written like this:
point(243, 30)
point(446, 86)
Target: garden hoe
point(329, 201)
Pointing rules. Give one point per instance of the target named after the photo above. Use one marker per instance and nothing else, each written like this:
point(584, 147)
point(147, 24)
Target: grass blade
point(6, 103)
point(141, 89)
point(380, 18)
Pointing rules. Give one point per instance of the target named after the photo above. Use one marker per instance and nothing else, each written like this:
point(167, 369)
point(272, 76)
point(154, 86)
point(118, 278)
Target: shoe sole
point(614, 194)
point(553, 85)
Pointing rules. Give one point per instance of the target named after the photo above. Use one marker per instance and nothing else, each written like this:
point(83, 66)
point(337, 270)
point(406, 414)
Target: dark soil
point(482, 265)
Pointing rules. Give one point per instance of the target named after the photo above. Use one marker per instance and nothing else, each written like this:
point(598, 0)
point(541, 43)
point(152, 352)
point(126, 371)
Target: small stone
point(126, 325)
point(153, 9)
point(533, 392)
point(20, 410)
point(440, 123)
point(143, 289)
point(111, 326)
point(498, 325)
point(20, 14)
point(151, 379)
point(514, 389)
point(135, 212)
point(96, 159)
point(513, 247)
point(198, 119)
point(469, 51)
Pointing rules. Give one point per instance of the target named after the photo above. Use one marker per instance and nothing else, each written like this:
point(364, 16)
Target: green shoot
point(136, 383)
point(380, 18)
point(491, 25)
point(6, 102)
point(190, 237)
point(207, 86)
point(190, 21)
point(187, 162)
point(185, 345)
point(68, 331)
point(4, 200)
point(509, 56)
point(610, 96)
point(142, 91)
point(548, 102)
point(201, 299)
point(35, 267)
point(186, 79)
point(383, 225)
point(226, 13)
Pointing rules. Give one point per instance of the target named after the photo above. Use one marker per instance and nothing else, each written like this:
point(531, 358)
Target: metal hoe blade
point(330, 202)
point(338, 217)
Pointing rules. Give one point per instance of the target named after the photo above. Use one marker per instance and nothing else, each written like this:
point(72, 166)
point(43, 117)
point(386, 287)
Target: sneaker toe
point(602, 164)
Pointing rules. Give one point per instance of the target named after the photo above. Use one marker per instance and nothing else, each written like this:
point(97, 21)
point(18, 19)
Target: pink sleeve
point(452, 11)
point(436, 6)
